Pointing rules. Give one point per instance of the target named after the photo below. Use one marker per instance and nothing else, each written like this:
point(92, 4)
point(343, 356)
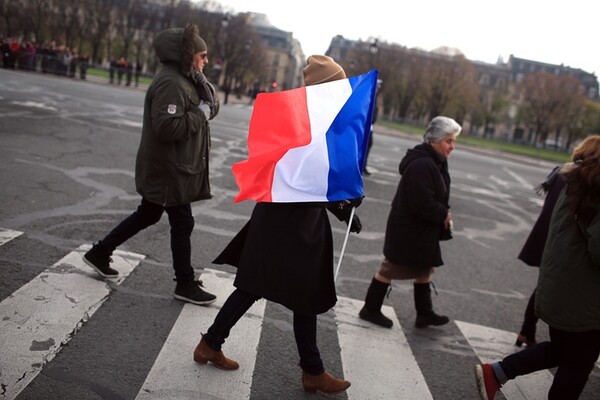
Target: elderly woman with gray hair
point(418, 220)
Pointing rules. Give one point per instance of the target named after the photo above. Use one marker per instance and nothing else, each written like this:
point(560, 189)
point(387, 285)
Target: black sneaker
point(100, 260)
point(191, 292)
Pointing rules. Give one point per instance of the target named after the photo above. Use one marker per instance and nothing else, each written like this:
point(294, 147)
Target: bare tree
point(449, 77)
point(98, 22)
point(69, 20)
point(11, 13)
point(541, 95)
point(571, 112)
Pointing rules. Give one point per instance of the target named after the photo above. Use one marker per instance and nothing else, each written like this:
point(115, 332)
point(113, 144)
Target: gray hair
point(439, 127)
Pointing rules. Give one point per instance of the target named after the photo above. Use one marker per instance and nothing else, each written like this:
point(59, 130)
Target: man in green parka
point(171, 168)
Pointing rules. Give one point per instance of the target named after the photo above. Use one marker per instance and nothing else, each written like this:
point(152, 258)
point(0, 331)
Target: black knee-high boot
point(371, 311)
point(424, 307)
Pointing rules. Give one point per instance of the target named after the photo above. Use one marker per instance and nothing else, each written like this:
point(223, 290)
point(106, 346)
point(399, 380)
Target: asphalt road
point(67, 155)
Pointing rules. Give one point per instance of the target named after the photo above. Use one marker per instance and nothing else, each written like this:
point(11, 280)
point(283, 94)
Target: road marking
point(127, 122)
point(519, 179)
point(492, 345)
point(377, 361)
point(43, 315)
point(175, 375)
point(6, 235)
point(512, 295)
point(34, 104)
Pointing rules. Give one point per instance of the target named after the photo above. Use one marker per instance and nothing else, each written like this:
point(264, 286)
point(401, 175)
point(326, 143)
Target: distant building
point(284, 55)
point(519, 67)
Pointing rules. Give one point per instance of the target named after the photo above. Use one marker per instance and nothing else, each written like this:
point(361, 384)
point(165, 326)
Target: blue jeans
point(574, 353)
point(305, 330)
point(147, 214)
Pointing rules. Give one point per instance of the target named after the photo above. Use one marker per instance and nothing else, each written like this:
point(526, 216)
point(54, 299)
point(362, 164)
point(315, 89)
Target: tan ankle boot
point(204, 354)
point(324, 382)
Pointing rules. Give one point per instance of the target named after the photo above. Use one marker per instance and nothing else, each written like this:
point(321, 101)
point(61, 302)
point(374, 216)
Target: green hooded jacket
point(568, 290)
point(172, 161)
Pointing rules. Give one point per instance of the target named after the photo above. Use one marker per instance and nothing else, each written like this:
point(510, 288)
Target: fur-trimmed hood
point(176, 46)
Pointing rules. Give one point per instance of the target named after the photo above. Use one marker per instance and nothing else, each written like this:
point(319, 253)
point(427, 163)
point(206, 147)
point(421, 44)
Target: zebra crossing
point(43, 315)
point(47, 312)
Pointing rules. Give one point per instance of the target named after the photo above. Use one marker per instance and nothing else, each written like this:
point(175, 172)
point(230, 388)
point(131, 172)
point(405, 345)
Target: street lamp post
point(373, 49)
point(223, 65)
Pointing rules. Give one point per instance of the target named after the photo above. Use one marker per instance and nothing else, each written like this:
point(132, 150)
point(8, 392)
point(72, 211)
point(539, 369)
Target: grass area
point(102, 73)
point(476, 141)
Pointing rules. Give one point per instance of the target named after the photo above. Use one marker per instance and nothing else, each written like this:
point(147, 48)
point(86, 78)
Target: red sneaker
point(487, 384)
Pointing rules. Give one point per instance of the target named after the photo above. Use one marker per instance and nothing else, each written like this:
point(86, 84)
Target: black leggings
point(574, 353)
point(305, 330)
point(147, 214)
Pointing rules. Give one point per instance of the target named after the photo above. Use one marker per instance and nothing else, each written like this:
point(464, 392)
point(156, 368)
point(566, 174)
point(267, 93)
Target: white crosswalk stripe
point(492, 345)
point(6, 235)
point(175, 375)
point(44, 314)
point(366, 347)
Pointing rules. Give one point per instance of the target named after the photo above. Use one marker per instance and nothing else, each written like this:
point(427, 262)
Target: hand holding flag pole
point(337, 269)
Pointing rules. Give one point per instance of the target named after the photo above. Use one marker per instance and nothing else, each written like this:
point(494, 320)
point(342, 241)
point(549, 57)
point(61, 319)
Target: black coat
point(531, 253)
point(285, 254)
point(419, 208)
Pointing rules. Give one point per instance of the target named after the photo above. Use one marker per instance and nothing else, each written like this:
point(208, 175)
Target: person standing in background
point(84, 64)
point(138, 72)
point(366, 172)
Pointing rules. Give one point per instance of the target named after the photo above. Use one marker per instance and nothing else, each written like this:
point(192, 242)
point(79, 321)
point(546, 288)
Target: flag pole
point(337, 269)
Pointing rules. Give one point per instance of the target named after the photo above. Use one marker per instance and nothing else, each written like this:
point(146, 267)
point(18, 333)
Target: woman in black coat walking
point(418, 220)
point(285, 254)
point(531, 253)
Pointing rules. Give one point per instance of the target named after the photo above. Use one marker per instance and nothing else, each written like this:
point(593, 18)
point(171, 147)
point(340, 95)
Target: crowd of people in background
point(61, 60)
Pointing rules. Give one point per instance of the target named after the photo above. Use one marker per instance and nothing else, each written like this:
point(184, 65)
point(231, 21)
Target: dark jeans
point(182, 225)
point(305, 330)
point(574, 353)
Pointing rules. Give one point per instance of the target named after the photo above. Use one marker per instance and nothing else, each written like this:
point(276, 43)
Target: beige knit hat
point(322, 69)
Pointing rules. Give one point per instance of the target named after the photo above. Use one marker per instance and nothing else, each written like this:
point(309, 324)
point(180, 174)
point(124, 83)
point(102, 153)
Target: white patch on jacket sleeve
point(172, 108)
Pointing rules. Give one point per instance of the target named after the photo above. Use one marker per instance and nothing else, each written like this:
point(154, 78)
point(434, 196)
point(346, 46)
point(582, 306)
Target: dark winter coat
point(568, 289)
point(419, 208)
point(172, 161)
point(531, 253)
point(285, 254)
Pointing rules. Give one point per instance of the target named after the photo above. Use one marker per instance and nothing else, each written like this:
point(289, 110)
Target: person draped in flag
point(419, 218)
point(285, 254)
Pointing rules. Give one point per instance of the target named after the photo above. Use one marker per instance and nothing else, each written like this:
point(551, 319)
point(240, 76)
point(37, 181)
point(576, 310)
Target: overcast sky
point(550, 31)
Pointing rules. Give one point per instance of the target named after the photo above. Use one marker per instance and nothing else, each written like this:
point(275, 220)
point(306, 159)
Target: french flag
point(308, 144)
